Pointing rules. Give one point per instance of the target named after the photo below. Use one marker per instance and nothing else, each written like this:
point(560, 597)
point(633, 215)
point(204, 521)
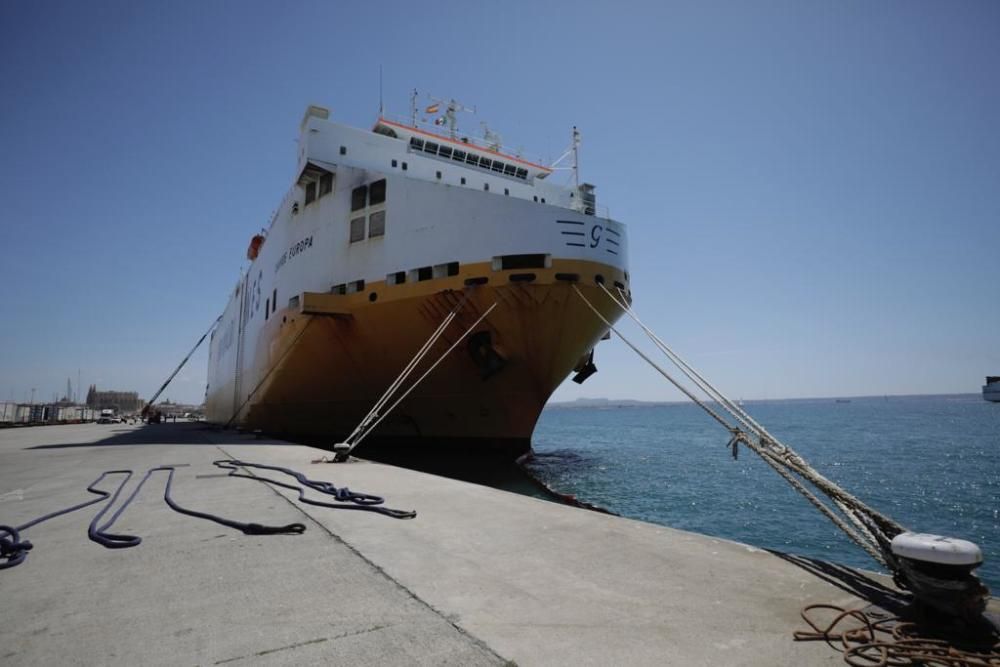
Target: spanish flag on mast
point(432, 108)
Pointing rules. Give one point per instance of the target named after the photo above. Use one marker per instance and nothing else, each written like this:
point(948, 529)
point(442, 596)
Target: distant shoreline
point(632, 403)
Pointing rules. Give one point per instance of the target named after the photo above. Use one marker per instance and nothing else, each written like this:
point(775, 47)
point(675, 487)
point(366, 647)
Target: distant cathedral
point(122, 401)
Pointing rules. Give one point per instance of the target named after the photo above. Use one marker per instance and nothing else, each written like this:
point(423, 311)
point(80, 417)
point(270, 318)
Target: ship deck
point(479, 577)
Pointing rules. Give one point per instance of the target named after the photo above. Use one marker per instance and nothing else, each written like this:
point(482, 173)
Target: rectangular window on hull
point(310, 192)
point(325, 184)
point(376, 194)
point(376, 224)
point(507, 262)
point(359, 198)
point(358, 229)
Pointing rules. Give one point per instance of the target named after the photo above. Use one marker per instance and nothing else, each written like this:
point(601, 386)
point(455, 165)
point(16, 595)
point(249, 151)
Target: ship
point(383, 233)
point(991, 390)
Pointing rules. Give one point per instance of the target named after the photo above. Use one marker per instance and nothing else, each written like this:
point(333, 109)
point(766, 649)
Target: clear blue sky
point(812, 188)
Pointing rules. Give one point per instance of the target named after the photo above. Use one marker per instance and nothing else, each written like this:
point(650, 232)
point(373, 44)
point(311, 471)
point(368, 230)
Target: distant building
point(120, 401)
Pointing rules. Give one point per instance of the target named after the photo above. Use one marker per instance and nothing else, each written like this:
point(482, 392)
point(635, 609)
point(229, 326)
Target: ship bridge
point(467, 151)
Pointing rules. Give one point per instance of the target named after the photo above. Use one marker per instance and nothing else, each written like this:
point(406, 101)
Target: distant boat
point(991, 390)
point(843, 400)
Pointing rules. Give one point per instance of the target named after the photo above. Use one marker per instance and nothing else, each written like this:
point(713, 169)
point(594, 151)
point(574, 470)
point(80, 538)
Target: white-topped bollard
point(937, 549)
point(938, 571)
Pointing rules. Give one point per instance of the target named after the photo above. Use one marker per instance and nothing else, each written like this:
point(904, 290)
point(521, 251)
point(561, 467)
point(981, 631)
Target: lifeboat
point(255, 243)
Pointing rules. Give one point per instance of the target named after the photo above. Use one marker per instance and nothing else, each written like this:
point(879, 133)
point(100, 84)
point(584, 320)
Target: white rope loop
point(377, 414)
point(363, 425)
point(421, 378)
point(871, 530)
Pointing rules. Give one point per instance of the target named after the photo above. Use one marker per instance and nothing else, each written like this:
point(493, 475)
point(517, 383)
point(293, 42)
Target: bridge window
point(310, 192)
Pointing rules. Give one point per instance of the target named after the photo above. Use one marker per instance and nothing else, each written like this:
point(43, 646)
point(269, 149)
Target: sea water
point(932, 463)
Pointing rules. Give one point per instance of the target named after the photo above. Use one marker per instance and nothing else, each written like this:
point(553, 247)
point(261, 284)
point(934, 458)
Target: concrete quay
point(479, 577)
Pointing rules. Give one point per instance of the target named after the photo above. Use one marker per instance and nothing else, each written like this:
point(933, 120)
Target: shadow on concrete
point(181, 433)
point(850, 581)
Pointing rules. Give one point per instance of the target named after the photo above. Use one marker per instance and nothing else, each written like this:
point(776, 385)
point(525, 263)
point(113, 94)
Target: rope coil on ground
point(889, 641)
point(14, 549)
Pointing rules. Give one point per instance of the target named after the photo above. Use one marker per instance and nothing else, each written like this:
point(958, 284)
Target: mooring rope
point(781, 457)
point(408, 369)
point(871, 530)
point(857, 512)
point(14, 549)
point(181, 365)
point(379, 412)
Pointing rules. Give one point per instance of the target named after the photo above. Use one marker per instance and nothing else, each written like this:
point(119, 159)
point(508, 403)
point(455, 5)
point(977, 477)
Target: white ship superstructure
point(383, 232)
point(991, 390)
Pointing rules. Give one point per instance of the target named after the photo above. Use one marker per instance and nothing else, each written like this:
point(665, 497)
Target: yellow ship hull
point(321, 366)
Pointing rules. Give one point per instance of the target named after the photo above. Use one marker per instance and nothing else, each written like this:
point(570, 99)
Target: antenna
point(449, 117)
point(413, 108)
point(381, 107)
point(576, 156)
point(492, 138)
point(574, 150)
